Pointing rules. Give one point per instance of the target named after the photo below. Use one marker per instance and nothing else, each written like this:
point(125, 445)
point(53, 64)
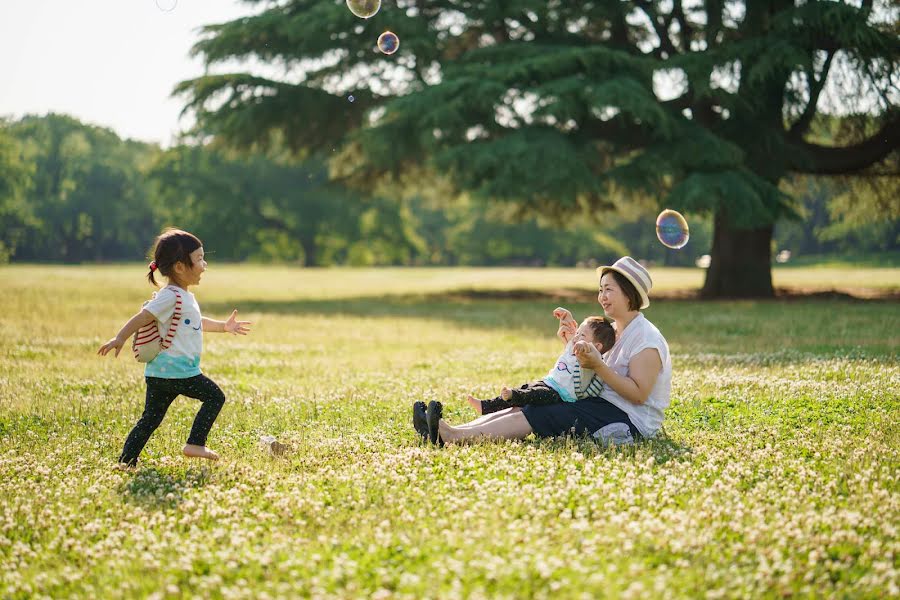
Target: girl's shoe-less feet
point(194, 451)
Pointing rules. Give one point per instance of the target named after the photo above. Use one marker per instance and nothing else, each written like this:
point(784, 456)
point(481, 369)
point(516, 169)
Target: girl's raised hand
point(113, 343)
point(235, 327)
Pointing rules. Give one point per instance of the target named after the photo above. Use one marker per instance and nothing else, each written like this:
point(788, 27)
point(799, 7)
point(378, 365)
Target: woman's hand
point(235, 327)
point(587, 354)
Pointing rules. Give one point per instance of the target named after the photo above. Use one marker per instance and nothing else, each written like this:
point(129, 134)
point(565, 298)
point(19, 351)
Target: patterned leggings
point(536, 392)
point(160, 394)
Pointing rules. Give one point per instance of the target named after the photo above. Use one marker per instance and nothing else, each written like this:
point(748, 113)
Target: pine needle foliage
point(706, 104)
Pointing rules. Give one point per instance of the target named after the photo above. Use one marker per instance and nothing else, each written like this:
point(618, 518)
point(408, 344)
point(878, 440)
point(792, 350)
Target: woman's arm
point(232, 325)
point(643, 371)
point(128, 329)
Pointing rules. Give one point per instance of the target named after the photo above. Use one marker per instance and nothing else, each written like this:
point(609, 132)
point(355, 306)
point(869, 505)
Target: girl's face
point(611, 298)
point(191, 275)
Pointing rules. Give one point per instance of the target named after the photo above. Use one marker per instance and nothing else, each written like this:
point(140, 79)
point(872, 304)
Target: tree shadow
point(162, 488)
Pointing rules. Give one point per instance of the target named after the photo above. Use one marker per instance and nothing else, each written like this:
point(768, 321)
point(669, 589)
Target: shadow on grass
point(690, 326)
point(161, 488)
point(531, 311)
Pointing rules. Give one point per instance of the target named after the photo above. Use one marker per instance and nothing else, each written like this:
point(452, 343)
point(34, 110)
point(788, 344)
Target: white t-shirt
point(181, 359)
point(639, 335)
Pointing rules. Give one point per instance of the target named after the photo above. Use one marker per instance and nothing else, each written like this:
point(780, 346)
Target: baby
point(567, 381)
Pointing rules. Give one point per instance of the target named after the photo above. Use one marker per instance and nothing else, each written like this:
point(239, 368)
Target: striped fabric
point(147, 342)
point(593, 389)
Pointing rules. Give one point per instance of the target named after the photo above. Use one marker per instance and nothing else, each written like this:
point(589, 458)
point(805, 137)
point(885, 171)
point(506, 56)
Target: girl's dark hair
point(173, 246)
point(634, 298)
point(604, 333)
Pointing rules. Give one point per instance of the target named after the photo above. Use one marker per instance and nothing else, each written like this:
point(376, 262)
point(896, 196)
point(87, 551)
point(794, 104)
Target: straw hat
point(634, 272)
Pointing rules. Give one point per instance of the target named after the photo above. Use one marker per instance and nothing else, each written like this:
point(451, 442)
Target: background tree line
point(712, 107)
point(71, 192)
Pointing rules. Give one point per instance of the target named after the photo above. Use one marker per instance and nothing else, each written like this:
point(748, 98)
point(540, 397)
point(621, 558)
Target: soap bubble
point(672, 229)
point(388, 42)
point(350, 98)
point(166, 5)
point(364, 9)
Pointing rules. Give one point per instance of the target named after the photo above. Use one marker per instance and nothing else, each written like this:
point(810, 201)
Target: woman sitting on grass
point(637, 379)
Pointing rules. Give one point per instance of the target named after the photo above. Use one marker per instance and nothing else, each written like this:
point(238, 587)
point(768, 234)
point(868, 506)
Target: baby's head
point(597, 331)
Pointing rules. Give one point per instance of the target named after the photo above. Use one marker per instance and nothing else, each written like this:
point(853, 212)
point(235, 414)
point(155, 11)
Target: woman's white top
point(639, 335)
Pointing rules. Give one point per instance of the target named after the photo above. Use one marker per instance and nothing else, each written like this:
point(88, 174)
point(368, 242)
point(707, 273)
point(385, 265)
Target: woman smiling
point(636, 374)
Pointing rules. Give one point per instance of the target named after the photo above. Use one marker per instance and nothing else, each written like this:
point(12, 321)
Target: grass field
point(778, 473)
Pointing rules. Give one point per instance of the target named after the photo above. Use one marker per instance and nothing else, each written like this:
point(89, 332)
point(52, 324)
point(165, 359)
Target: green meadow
point(778, 472)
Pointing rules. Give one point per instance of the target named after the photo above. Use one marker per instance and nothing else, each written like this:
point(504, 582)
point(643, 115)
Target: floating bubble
point(388, 42)
point(672, 229)
point(350, 98)
point(166, 5)
point(364, 9)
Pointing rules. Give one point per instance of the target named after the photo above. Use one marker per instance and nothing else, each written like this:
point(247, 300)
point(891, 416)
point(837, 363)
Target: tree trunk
point(740, 262)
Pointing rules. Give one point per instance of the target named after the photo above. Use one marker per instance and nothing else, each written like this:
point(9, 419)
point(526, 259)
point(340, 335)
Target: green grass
point(777, 473)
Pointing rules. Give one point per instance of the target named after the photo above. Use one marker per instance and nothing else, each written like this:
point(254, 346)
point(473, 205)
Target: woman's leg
point(508, 426)
point(489, 417)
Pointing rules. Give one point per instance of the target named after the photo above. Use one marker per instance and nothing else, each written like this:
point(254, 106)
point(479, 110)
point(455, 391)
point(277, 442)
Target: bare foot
point(474, 403)
point(195, 451)
point(506, 393)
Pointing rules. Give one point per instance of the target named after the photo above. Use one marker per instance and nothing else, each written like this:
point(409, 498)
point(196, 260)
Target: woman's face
point(611, 298)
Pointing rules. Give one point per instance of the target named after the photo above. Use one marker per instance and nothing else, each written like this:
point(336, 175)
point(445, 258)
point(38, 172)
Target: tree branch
point(625, 136)
point(714, 21)
point(815, 159)
point(665, 43)
point(815, 88)
point(687, 31)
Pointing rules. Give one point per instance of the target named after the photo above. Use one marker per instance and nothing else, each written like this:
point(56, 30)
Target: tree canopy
point(560, 106)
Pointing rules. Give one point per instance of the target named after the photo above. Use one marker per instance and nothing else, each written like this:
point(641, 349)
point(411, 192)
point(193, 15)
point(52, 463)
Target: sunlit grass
point(778, 473)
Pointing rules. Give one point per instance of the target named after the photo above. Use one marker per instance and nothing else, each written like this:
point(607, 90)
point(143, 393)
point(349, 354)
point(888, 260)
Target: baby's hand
point(566, 331)
point(562, 314)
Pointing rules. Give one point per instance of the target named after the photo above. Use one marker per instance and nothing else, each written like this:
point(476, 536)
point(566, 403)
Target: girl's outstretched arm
point(232, 325)
point(128, 329)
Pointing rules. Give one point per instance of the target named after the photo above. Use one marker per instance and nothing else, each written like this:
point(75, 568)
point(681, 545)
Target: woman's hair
point(604, 334)
point(634, 298)
point(173, 246)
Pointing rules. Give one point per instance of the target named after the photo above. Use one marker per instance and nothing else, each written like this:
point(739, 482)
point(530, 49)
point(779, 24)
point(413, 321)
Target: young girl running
point(178, 256)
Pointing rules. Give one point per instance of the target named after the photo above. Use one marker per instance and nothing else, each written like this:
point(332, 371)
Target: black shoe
point(420, 420)
point(435, 412)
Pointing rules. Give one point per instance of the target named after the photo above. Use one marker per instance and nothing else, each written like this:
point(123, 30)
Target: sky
point(112, 63)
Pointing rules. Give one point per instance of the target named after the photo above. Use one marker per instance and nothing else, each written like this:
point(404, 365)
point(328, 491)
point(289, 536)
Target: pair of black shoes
point(426, 421)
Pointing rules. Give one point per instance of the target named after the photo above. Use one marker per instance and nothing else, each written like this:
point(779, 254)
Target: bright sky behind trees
point(107, 62)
